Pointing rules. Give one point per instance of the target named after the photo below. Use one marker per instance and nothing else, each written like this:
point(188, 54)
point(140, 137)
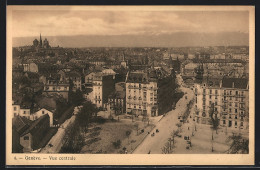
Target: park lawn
point(100, 137)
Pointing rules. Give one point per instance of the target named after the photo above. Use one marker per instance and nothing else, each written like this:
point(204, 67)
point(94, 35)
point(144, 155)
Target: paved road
point(165, 126)
point(56, 140)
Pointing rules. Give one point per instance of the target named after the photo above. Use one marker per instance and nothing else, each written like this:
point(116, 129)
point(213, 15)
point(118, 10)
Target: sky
point(30, 23)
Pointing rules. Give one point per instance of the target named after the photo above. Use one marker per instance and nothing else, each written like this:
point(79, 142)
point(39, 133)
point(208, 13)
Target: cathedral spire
point(40, 40)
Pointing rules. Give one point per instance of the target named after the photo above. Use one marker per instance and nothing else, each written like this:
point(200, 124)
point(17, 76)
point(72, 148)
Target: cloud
point(55, 23)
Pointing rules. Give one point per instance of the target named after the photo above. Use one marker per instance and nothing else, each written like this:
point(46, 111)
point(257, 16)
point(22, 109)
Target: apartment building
point(149, 92)
point(230, 97)
point(103, 85)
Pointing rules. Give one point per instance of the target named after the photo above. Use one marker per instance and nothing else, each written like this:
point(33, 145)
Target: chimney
point(233, 85)
point(220, 83)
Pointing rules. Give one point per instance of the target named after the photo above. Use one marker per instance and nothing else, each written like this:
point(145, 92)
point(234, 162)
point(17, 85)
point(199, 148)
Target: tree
point(178, 125)
point(238, 145)
point(85, 114)
point(73, 141)
point(214, 118)
point(128, 133)
point(61, 107)
point(137, 128)
point(117, 144)
point(76, 98)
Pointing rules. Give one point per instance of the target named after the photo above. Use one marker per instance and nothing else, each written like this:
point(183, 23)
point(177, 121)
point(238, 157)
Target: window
point(209, 102)
point(230, 104)
point(236, 117)
point(241, 124)
point(204, 90)
point(236, 92)
point(209, 96)
point(230, 98)
point(26, 138)
point(230, 92)
point(14, 108)
point(216, 91)
point(235, 123)
point(216, 97)
point(229, 110)
point(210, 91)
point(24, 112)
point(224, 122)
point(43, 112)
point(235, 110)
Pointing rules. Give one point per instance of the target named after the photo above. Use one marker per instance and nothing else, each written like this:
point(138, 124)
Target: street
point(154, 144)
point(55, 144)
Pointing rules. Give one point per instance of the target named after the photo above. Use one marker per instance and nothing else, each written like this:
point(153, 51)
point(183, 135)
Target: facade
point(19, 126)
point(103, 85)
point(109, 72)
point(146, 93)
point(89, 78)
point(230, 99)
point(20, 111)
point(116, 103)
point(41, 113)
point(75, 77)
point(30, 67)
point(53, 86)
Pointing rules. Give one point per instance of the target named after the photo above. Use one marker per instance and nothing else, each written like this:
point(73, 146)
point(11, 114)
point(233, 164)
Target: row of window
point(226, 92)
point(135, 106)
point(54, 88)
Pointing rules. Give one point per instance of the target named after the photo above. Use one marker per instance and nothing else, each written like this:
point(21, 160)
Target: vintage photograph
point(130, 80)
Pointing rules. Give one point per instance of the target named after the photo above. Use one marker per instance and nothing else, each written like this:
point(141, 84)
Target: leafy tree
point(61, 107)
point(238, 145)
point(76, 98)
point(85, 114)
point(128, 133)
point(73, 140)
point(214, 118)
point(137, 128)
point(117, 144)
point(179, 126)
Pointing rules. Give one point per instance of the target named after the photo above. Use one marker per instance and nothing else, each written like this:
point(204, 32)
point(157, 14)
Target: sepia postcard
point(130, 85)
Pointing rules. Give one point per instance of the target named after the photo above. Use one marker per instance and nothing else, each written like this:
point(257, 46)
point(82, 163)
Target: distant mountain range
point(162, 40)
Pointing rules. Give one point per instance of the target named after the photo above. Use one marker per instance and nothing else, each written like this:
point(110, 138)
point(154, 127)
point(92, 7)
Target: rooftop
point(32, 129)
point(238, 83)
